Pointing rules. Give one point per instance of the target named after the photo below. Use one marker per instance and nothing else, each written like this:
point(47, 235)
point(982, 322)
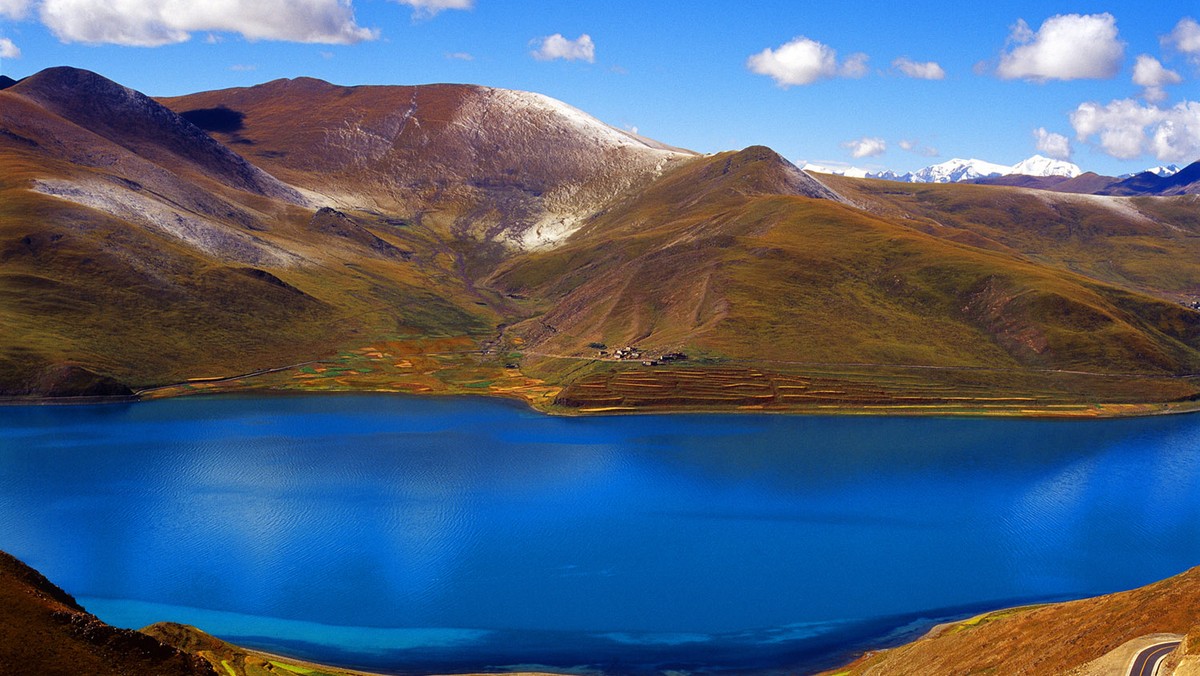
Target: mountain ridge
point(460, 215)
point(375, 143)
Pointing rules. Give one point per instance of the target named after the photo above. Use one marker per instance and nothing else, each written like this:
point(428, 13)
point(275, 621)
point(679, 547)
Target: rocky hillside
point(44, 631)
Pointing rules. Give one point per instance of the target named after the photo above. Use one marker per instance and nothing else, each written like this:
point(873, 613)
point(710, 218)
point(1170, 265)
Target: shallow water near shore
point(409, 534)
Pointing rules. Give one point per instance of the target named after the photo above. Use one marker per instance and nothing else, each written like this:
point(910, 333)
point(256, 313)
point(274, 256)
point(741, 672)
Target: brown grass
point(1047, 639)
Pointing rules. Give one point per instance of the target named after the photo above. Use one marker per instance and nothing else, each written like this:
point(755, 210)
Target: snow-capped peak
point(959, 170)
point(1165, 171)
point(1045, 166)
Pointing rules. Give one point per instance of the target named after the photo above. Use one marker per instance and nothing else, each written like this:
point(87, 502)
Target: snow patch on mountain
point(211, 237)
point(585, 125)
point(590, 163)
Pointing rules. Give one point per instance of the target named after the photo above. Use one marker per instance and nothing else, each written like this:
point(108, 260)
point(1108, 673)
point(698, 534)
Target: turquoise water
point(420, 534)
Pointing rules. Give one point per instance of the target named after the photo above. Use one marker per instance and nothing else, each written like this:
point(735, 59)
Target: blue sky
point(698, 74)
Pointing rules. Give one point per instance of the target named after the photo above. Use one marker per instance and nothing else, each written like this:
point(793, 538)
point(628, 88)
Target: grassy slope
point(1146, 244)
point(721, 258)
point(1048, 639)
point(713, 262)
point(129, 301)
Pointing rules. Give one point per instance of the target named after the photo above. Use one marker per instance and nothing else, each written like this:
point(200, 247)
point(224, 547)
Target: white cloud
point(916, 148)
point(928, 70)
point(1066, 47)
point(15, 9)
point(243, 67)
point(1185, 38)
point(803, 61)
point(855, 66)
point(150, 23)
point(1052, 145)
point(867, 146)
point(424, 9)
point(1127, 129)
point(460, 56)
point(1150, 74)
point(557, 47)
point(8, 50)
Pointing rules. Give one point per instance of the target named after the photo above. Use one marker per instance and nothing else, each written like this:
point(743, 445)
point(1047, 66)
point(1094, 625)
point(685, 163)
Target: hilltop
point(456, 238)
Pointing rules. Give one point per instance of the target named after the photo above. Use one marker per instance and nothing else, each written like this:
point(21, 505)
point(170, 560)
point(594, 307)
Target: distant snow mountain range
point(961, 171)
point(1161, 172)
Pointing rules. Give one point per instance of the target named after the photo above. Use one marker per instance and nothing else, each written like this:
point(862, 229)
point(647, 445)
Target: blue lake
point(408, 534)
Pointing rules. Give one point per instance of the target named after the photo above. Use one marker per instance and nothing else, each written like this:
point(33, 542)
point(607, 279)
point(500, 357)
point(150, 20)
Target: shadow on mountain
point(219, 119)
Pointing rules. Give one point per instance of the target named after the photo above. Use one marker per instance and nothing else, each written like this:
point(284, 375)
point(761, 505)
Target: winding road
point(1146, 662)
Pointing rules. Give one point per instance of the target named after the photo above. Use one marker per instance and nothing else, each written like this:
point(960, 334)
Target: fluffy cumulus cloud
point(1051, 144)
point(1185, 38)
point(867, 146)
point(1149, 74)
point(1065, 47)
point(429, 8)
point(927, 70)
point(8, 50)
point(803, 61)
point(149, 23)
point(1127, 129)
point(557, 47)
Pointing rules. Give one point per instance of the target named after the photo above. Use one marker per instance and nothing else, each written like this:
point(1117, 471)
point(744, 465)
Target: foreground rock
point(44, 631)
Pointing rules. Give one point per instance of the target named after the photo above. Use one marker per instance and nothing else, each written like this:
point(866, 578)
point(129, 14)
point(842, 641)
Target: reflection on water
point(356, 528)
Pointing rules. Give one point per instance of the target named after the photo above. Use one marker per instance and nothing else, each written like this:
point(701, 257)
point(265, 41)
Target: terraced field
point(872, 389)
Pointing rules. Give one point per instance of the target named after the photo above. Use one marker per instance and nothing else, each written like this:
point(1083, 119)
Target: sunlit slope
point(1151, 244)
point(1079, 638)
point(137, 251)
point(718, 258)
point(252, 229)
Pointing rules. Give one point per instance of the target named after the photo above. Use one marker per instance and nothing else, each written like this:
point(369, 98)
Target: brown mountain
point(725, 256)
point(147, 242)
point(517, 167)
